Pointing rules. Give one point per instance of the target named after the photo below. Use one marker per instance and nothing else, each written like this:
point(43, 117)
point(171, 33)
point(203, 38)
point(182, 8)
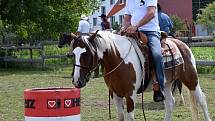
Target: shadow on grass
point(151, 105)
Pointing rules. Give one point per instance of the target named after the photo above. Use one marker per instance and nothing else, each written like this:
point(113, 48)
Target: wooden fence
point(198, 42)
point(41, 59)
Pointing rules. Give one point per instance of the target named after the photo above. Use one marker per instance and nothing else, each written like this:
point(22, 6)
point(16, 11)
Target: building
point(114, 9)
point(106, 7)
point(180, 8)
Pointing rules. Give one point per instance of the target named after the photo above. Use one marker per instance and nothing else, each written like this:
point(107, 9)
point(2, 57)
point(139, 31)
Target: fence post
point(6, 54)
point(42, 55)
point(31, 55)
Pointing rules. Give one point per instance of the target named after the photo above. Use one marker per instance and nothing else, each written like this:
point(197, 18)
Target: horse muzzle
point(79, 83)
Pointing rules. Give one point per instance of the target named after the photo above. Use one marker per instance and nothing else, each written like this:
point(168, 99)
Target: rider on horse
point(142, 16)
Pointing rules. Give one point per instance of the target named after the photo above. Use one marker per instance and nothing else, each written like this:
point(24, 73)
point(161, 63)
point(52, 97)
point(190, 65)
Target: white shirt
point(138, 9)
point(84, 26)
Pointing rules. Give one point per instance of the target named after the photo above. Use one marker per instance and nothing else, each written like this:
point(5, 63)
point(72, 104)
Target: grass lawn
point(94, 100)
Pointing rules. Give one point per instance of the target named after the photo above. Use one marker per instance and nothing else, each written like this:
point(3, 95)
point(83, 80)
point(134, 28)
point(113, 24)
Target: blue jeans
point(155, 47)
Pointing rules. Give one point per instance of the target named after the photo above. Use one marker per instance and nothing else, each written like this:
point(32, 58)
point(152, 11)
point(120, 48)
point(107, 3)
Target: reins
point(110, 73)
point(104, 75)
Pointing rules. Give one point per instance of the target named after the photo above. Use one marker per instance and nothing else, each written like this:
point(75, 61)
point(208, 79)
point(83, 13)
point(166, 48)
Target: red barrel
point(52, 104)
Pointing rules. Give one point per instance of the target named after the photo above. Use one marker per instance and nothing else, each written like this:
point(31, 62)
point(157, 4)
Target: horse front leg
point(169, 101)
point(131, 100)
point(118, 101)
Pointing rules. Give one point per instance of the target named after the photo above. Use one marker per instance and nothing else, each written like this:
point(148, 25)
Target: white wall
point(97, 13)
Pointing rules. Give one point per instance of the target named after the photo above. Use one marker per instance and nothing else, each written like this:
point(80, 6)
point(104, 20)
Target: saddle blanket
point(169, 60)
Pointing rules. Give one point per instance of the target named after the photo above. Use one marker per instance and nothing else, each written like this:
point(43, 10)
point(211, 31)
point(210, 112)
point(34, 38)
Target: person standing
point(83, 26)
point(142, 15)
point(105, 24)
point(165, 22)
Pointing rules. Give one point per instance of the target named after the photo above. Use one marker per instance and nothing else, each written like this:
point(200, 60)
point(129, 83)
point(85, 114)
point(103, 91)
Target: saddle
point(167, 48)
point(170, 52)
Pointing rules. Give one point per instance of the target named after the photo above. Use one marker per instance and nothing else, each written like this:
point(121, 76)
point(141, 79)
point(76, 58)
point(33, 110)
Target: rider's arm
point(126, 21)
point(151, 10)
point(149, 16)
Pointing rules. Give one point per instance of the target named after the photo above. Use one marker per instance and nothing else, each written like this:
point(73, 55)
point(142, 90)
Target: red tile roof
point(116, 8)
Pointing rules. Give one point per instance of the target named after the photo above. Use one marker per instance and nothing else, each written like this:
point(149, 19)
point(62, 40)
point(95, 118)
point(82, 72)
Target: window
point(121, 19)
point(112, 2)
point(103, 10)
point(112, 20)
point(121, 1)
point(94, 21)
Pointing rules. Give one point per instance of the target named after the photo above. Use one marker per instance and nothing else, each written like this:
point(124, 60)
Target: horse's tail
point(194, 105)
point(177, 83)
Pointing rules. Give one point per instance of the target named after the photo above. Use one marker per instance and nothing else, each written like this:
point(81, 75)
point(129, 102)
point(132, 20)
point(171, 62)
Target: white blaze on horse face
point(77, 52)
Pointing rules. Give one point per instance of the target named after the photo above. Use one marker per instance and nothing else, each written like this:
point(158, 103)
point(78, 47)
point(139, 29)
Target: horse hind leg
point(198, 97)
point(169, 101)
point(179, 85)
point(118, 101)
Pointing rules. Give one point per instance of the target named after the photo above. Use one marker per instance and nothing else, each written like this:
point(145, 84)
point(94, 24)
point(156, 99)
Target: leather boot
point(158, 96)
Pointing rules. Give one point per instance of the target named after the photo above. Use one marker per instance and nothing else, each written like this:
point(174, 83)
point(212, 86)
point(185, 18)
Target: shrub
point(178, 24)
point(116, 26)
point(207, 17)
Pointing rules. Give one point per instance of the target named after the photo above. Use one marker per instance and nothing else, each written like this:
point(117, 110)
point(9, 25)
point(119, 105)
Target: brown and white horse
point(123, 72)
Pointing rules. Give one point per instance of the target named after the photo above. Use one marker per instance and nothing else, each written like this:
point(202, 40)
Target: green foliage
point(204, 53)
point(44, 19)
point(178, 24)
point(207, 16)
point(116, 26)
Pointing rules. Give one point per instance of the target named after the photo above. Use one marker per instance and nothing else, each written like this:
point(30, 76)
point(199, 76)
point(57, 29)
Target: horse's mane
point(104, 41)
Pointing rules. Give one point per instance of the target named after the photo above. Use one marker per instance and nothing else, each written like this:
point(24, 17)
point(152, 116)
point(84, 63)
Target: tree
point(207, 16)
point(198, 5)
point(178, 24)
point(43, 19)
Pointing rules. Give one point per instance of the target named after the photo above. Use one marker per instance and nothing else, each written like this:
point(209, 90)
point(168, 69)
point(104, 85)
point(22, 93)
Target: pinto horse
point(66, 39)
point(123, 72)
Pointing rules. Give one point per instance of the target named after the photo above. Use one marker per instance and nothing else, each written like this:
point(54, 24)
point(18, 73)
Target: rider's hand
point(131, 29)
point(122, 31)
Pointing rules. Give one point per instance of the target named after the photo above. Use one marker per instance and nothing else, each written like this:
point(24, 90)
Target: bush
point(116, 26)
point(207, 17)
point(178, 24)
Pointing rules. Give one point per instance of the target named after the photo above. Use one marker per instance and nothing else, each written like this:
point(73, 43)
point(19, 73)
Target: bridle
point(89, 69)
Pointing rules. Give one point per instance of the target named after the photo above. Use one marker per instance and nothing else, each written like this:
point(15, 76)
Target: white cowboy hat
point(84, 17)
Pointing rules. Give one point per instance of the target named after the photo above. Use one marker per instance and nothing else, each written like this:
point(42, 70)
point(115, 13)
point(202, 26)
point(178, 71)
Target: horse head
point(66, 38)
point(85, 59)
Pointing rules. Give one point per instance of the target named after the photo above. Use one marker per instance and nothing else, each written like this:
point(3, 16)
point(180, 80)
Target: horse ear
point(73, 36)
point(93, 36)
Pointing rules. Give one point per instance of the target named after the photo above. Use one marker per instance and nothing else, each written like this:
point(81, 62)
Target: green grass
point(204, 53)
point(94, 97)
